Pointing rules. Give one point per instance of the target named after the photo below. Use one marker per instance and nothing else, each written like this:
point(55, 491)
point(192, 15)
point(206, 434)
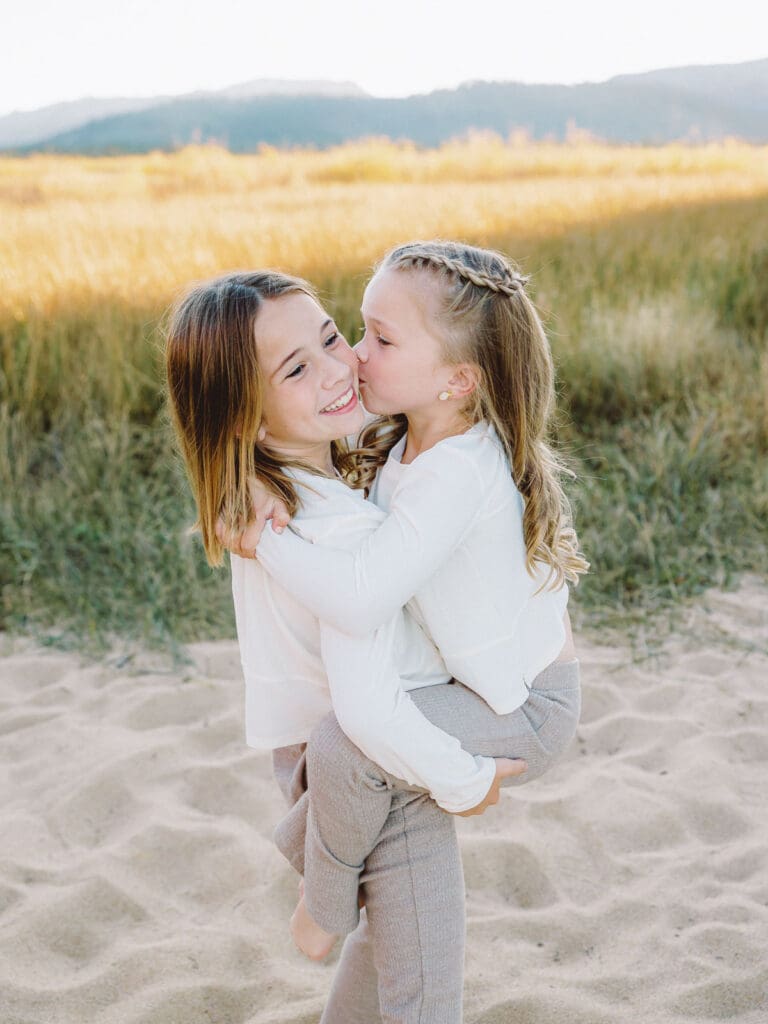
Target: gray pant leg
point(354, 997)
point(349, 800)
point(350, 796)
point(404, 964)
point(289, 767)
point(418, 930)
point(414, 897)
point(540, 731)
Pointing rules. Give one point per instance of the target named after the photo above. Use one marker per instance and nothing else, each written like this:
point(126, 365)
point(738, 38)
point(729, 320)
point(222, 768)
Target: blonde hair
point(488, 320)
point(215, 388)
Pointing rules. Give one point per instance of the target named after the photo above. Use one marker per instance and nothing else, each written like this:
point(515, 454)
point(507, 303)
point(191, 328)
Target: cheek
point(381, 364)
point(402, 373)
point(283, 411)
point(347, 355)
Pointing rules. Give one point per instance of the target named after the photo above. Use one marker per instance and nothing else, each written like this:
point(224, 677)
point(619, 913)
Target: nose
point(361, 350)
point(337, 371)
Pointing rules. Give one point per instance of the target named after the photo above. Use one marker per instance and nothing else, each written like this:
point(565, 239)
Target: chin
point(383, 409)
point(352, 423)
point(370, 404)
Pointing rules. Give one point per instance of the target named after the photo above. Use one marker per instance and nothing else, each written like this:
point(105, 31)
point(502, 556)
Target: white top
point(453, 543)
point(296, 669)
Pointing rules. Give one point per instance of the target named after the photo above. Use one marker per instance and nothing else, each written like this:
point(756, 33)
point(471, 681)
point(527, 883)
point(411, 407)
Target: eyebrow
point(296, 351)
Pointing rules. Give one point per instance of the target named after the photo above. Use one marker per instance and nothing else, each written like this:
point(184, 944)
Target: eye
point(382, 341)
point(330, 342)
point(297, 371)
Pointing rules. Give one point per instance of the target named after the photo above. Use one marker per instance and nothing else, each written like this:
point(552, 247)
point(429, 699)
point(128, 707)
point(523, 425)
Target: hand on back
point(264, 506)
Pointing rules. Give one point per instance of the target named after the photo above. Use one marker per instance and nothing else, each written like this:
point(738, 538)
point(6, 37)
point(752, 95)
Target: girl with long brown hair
point(261, 381)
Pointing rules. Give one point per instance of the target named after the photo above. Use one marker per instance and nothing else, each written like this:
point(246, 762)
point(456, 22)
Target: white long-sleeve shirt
point(297, 668)
point(452, 546)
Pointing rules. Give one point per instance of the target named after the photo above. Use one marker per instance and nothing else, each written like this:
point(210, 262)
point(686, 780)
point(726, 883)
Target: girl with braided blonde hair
point(485, 319)
point(476, 542)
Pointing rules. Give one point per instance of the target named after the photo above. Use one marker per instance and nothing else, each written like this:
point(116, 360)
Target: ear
point(465, 378)
point(260, 436)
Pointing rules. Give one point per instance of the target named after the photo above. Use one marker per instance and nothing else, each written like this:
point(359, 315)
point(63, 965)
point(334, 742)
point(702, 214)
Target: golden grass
point(651, 265)
point(77, 228)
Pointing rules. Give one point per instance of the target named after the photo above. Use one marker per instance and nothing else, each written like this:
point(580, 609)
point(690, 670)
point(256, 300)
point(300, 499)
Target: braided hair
point(488, 319)
point(502, 280)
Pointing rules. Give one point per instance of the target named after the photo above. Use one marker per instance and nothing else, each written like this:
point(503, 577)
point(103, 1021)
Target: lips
point(344, 403)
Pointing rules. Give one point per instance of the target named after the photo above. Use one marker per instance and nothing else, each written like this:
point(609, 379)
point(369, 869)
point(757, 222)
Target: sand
point(139, 885)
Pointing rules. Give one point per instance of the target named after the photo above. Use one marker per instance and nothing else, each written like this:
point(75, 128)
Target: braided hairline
point(510, 285)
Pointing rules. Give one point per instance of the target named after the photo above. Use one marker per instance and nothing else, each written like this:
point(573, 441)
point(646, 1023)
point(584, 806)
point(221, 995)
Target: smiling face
point(402, 353)
point(309, 377)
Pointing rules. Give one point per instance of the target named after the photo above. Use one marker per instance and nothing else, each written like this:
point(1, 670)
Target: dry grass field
point(651, 266)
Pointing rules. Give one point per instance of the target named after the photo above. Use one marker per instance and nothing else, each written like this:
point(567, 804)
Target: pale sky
point(54, 50)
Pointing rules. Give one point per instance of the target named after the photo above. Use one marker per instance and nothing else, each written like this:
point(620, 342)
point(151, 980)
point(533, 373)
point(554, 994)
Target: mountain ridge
point(694, 103)
point(28, 127)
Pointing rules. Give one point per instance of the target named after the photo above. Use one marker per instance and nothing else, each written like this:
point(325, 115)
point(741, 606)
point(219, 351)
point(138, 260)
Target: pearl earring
point(444, 395)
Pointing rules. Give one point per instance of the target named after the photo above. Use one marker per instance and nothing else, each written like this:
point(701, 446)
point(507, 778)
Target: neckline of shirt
point(396, 452)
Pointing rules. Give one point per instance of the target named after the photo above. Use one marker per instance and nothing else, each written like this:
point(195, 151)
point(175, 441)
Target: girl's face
point(401, 353)
point(310, 378)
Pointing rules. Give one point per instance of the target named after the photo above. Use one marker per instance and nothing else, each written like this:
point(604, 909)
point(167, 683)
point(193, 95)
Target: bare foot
point(308, 936)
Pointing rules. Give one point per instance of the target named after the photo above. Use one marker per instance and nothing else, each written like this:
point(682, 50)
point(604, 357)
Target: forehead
point(284, 324)
point(402, 297)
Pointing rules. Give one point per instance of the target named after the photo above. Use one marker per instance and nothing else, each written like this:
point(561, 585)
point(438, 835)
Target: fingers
point(280, 516)
point(506, 767)
point(242, 542)
point(229, 539)
point(240, 549)
point(250, 537)
point(238, 542)
point(264, 506)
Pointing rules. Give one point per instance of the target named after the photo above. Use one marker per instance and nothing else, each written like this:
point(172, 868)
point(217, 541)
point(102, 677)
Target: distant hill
point(26, 127)
point(743, 85)
point(695, 103)
point(30, 127)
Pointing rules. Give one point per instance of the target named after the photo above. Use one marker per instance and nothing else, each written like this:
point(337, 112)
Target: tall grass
point(649, 263)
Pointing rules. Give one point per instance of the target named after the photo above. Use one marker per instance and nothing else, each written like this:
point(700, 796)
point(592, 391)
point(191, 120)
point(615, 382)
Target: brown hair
point(215, 388)
point(488, 320)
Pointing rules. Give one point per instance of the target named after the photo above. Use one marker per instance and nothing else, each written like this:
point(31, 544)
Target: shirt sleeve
point(357, 590)
point(378, 715)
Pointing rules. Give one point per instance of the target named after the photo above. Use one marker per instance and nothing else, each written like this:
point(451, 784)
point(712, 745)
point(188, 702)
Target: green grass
point(659, 328)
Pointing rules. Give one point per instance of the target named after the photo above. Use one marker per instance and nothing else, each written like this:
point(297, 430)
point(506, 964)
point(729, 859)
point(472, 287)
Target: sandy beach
point(139, 884)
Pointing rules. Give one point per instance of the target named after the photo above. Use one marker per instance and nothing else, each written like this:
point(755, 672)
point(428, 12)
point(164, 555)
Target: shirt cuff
point(464, 800)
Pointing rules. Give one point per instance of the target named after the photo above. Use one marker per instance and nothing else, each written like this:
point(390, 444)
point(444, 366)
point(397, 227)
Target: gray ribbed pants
point(353, 824)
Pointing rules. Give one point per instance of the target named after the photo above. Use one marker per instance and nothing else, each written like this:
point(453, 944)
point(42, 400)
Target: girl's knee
point(559, 731)
point(331, 754)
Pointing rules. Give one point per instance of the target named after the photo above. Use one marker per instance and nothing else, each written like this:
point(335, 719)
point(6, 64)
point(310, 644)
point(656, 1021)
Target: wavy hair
point(215, 387)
